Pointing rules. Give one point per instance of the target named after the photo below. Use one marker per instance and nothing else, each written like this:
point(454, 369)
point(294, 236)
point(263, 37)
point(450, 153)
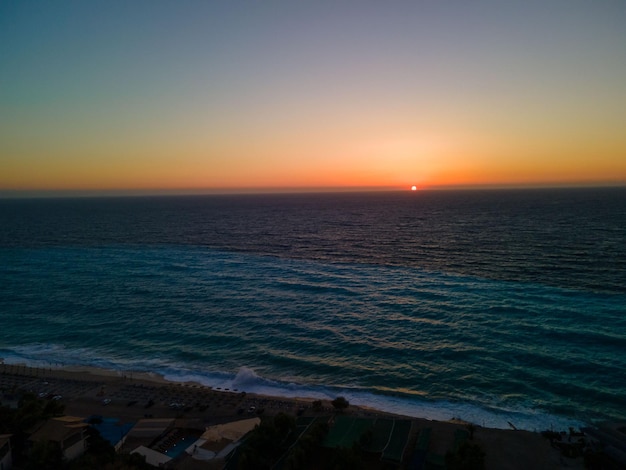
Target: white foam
point(246, 379)
point(530, 419)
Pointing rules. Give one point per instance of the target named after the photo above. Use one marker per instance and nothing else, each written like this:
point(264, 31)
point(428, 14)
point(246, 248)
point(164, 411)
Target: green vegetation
point(471, 428)
point(347, 459)
point(266, 443)
point(101, 455)
point(18, 422)
point(44, 456)
point(469, 456)
point(340, 403)
point(278, 442)
point(307, 446)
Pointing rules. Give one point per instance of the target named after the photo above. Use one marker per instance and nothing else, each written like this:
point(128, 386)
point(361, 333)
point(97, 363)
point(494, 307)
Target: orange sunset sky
point(240, 96)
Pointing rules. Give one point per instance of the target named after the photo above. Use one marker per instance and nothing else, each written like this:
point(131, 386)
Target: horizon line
point(137, 192)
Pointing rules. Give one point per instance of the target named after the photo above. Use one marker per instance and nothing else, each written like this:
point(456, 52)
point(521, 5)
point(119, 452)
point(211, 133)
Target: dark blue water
point(490, 306)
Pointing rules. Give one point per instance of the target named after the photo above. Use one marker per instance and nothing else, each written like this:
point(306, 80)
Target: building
point(6, 455)
point(67, 432)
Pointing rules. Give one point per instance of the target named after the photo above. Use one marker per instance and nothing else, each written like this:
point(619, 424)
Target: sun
point(413, 188)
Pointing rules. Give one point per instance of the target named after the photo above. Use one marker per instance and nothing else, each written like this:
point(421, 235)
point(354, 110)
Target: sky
point(243, 96)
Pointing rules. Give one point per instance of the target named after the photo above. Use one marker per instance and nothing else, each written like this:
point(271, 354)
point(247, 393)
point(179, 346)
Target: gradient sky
point(162, 95)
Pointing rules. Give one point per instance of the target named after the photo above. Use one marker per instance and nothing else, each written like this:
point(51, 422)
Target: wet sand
point(130, 396)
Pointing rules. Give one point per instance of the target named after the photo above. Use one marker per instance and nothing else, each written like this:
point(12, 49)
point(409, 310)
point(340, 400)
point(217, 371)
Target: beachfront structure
point(67, 432)
point(154, 458)
point(6, 455)
point(218, 441)
point(162, 440)
point(145, 433)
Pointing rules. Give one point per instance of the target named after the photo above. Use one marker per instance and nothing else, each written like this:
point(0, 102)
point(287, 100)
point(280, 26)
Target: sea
point(499, 307)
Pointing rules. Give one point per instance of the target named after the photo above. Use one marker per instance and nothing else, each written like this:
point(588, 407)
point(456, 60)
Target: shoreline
point(130, 397)
point(391, 404)
point(112, 378)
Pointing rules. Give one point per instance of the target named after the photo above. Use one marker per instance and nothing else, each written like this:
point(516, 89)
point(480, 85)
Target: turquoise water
point(179, 447)
point(435, 339)
point(296, 327)
point(112, 429)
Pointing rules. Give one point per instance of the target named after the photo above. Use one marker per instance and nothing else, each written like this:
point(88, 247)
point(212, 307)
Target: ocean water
point(489, 306)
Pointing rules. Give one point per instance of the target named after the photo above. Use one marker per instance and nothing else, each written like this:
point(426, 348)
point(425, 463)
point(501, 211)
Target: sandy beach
point(131, 396)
